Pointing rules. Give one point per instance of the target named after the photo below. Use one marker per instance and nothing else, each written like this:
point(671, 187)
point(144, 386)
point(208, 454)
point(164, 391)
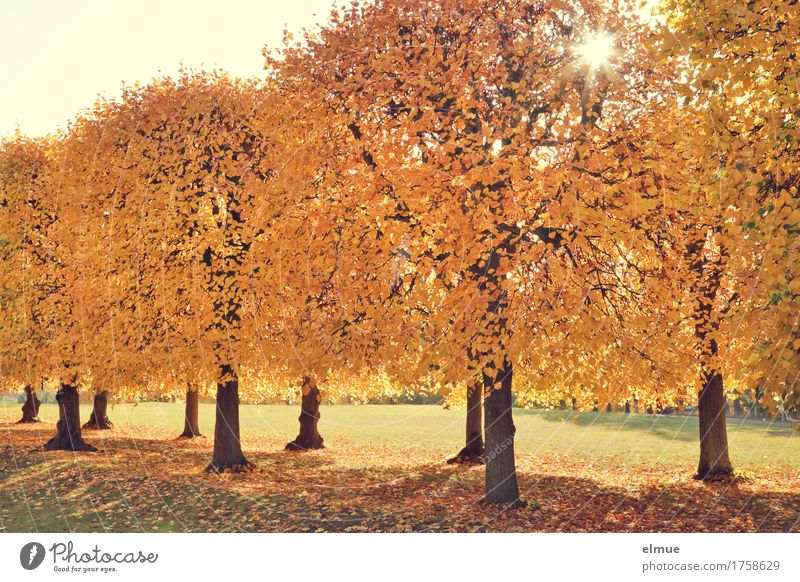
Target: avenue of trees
point(447, 196)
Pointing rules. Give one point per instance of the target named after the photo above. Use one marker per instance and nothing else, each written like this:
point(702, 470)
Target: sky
point(57, 56)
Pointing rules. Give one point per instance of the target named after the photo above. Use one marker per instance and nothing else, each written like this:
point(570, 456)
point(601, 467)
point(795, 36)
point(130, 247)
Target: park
point(455, 266)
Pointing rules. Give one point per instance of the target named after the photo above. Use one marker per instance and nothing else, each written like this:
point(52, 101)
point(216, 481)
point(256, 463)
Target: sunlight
point(596, 50)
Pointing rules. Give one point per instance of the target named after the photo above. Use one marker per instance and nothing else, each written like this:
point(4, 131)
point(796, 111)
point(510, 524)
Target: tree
point(741, 101)
point(22, 163)
point(98, 419)
point(30, 409)
point(207, 161)
point(473, 450)
point(43, 276)
point(309, 437)
point(468, 118)
point(191, 428)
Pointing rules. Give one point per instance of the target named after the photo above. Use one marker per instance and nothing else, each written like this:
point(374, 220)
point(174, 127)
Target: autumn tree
point(201, 157)
point(30, 408)
point(23, 164)
point(468, 119)
point(740, 104)
point(191, 427)
point(43, 269)
point(98, 419)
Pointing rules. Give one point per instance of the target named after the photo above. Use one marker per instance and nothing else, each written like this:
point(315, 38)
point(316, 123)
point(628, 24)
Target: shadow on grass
point(148, 484)
point(671, 427)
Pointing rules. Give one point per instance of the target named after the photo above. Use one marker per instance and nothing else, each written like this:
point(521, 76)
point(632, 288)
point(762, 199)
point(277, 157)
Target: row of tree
point(441, 195)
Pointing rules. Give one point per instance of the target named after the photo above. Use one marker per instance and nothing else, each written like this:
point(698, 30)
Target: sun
point(596, 50)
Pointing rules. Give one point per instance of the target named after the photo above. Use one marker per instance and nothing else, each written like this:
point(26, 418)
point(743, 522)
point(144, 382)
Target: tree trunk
point(309, 437)
point(30, 410)
point(98, 420)
point(68, 427)
point(737, 406)
point(714, 461)
point(473, 451)
point(501, 471)
point(228, 454)
point(627, 407)
point(191, 428)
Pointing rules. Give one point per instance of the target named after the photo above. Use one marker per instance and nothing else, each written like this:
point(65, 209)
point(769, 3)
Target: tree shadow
point(670, 428)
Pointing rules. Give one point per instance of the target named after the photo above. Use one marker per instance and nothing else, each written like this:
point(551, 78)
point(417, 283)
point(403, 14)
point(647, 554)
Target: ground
point(384, 470)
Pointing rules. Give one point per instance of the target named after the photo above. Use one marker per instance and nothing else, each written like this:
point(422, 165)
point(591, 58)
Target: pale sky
point(57, 56)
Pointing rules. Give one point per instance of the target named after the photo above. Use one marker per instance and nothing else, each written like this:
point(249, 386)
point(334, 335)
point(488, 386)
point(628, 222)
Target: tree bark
point(627, 407)
point(473, 450)
point(98, 420)
point(714, 460)
point(309, 437)
point(228, 454)
point(501, 471)
point(68, 428)
point(191, 428)
point(30, 409)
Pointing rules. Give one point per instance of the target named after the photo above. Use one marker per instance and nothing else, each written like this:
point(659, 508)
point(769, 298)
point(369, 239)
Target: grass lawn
point(383, 470)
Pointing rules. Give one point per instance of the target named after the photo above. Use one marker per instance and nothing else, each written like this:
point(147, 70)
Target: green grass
point(632, 438)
